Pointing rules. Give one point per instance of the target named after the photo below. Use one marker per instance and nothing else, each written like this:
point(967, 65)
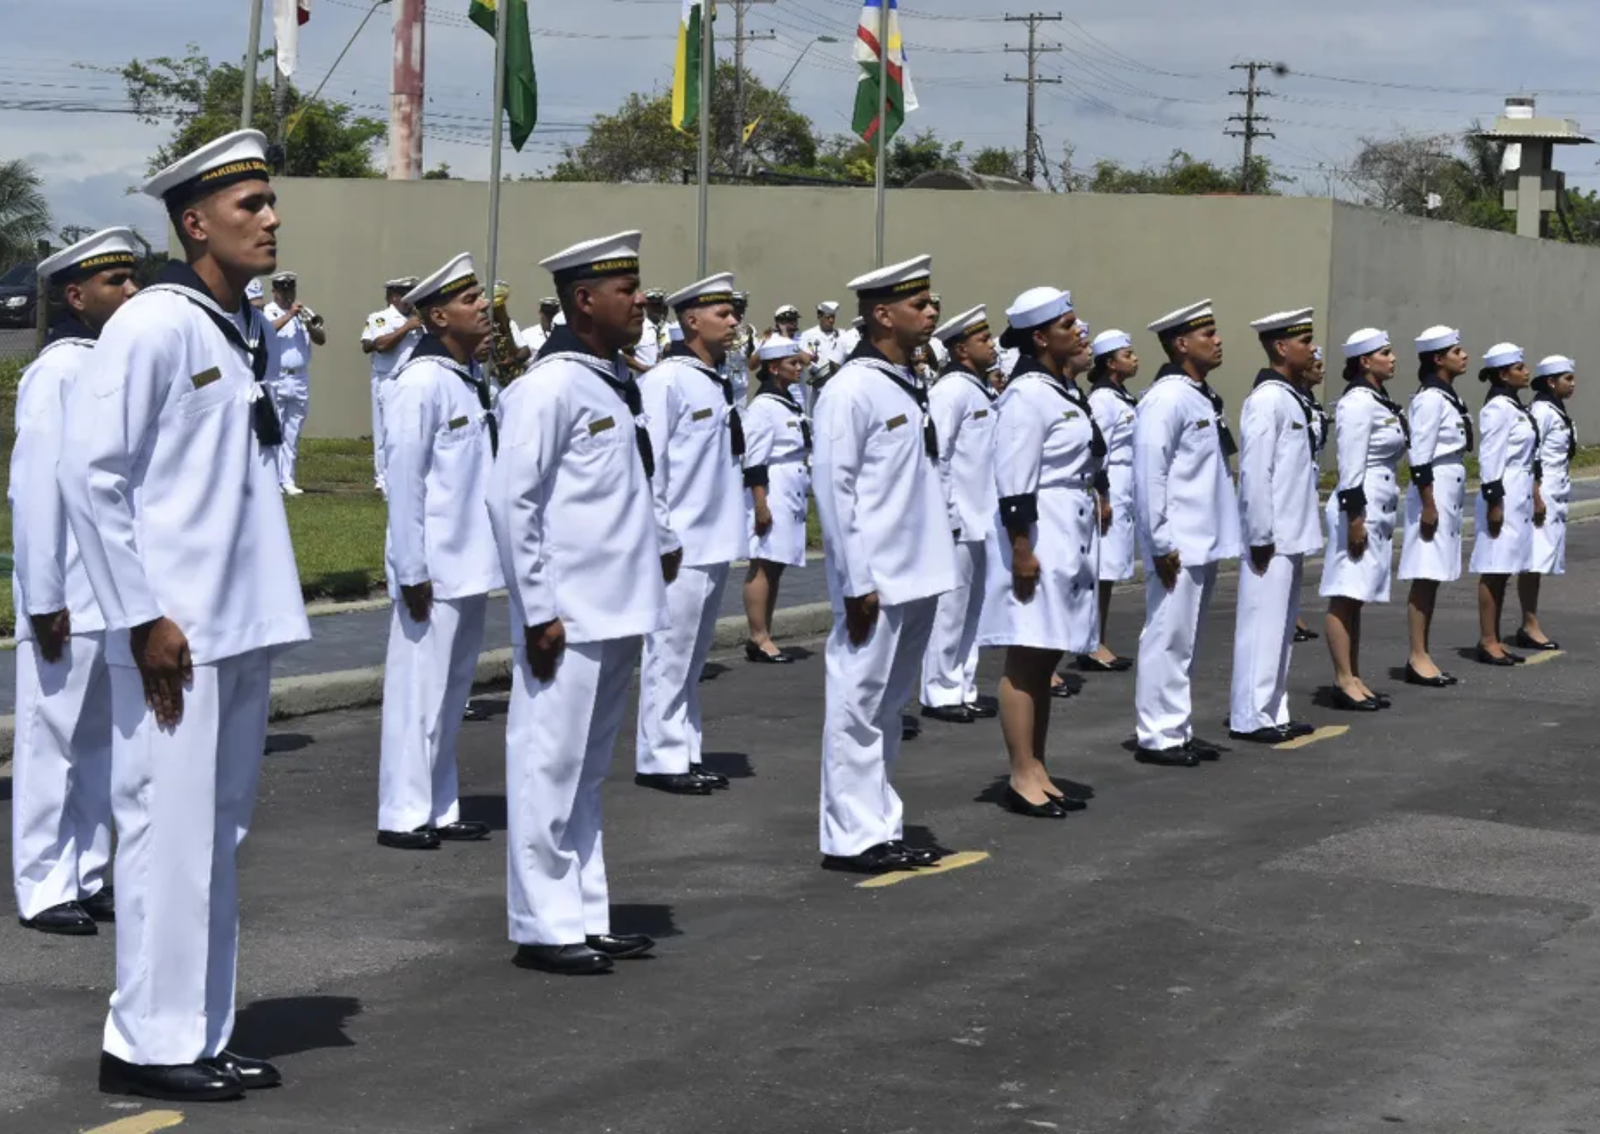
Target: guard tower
point(1534, 188)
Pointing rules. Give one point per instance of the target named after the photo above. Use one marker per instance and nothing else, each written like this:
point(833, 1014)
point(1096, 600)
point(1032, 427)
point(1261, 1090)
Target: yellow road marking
point(1543, 656)
point(140, 1123)
point(1326, 732)
point(946, 864)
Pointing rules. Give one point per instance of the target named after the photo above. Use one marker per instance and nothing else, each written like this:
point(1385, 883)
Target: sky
point(1139, 78)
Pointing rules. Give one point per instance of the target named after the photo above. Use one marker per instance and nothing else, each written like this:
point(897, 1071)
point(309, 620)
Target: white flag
point(287, 16)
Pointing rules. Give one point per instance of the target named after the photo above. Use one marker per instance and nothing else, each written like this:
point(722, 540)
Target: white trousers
point(866, 687)
point(61, 775)
point(670, 734)
point(1263, 640)
point(182, 798)
point(378, 464)
point(559, 740)
point(292, 396)
point(950, 665)
point(427, 678)
point(1166, 653)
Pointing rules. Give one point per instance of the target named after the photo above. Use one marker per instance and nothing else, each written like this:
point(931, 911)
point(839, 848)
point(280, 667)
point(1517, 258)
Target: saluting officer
point(170, 473)
point(61, 766)
point(291, 386)
point(889, 555)
point(573, 517)
point(388, 337)
point(698, 441)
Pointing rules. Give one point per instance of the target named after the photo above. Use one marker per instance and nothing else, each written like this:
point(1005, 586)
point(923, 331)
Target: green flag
point(522, 88)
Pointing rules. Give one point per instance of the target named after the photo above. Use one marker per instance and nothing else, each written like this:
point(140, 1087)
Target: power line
point(1250, 119)
point(1033, 51)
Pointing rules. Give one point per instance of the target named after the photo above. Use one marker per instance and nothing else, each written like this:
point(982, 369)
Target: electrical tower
point(1250, 120)
point(1031, 145)
point(739, 40)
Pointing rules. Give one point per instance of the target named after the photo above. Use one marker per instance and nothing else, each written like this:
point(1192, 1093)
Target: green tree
point(440, 172)
point(1182, 175)
point(24, 215)
point(845, 157)
point(996, 161)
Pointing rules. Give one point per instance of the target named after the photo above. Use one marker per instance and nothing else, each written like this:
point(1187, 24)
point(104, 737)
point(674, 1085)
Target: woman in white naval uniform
point(1116, 364)
point(1441, 437)
point(1554, 381)
point(1044, 556)
point(777, 480)
point(1361, 513)
point(1321, 426)
point(1509, 505)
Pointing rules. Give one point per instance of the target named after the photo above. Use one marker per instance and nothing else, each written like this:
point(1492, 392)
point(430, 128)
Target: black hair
point(1428, 363)
point(1494, 375)
point(1352, 369)
point(1101, 370)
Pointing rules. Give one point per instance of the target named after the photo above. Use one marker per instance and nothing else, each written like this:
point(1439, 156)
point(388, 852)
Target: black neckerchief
point(879, 363)
point(1116, 388)
point(181, 279)
point(1455, 401)
point(562, 340)
point(1386, 402)
point(67, 325)
point(682, 352)
point(1501, 390)
point(971, 375)
point(1556, 404)
point(1224, 434)
point(1267, 377)
point(770, 389)
point(1068, 389)
point(430, 346)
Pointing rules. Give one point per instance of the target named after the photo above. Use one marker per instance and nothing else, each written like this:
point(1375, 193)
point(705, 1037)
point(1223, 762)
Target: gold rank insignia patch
point(602, 425)
point(457, 422)
point(205, 378)
point(1296, 425)
point(1203, 423)
point(895, 422)
point(1068, 415)
point(980, 413)
point(700, 415)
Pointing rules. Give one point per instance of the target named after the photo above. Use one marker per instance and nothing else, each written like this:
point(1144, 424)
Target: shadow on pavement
point(651, 919)
point(267, 1029)
point(490, 809)
point(734, 765)
point(280, 743)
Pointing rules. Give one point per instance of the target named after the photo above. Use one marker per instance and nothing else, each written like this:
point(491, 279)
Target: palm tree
point(24, 215)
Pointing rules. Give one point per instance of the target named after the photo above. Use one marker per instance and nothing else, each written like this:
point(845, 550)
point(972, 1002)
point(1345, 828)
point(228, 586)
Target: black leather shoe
point(1069, 803)
point(916, 856)
point(182, 1082)
point(1273, 735)
point(1179, 757)
point(1014, 802)
point(909, 728)
point(101, 905)
point(1527, 643)
point(1343, 700)
point(69, 919)
point(1305, 635)
point(1298, 729)
point(620, 946)
point(1203, 749)
point(755, 653)
point(685, 783)
point(473, 713)
point(984, 708)
point(255, 1074)
point(1484, 657)
point(422, 839)
point(564, 960)
point(1088, 663)
point(468, 831)
point(1064, 690)
point(704, 774)
point(1441, 681)
point(949, 714)
point(878, 859)
point(1383, 700)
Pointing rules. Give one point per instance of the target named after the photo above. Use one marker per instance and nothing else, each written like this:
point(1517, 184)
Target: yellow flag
point(751, 129)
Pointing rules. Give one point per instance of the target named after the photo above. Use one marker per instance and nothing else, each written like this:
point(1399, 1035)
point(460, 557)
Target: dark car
point(18, 295)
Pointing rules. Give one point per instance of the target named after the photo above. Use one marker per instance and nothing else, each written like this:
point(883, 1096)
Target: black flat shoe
point(917, 856)
point(1442, 681)
point(563, 960)
point(101, 905)
point(984, 707)
point(182, 1082)
point(949, 714)
point(1297, 729)
point(1522, 639)
point(1179, 757)
point(255, 1074)
point(473, 713)
point(879, 859)
point(1450, 678)
point(1343, 700)
point(1014, 802)
point(1484, 657)
point(463, 832)
point(1069, 803)
point(1088, 663)
point(716, 779)
point(685, 783)
point(422, 839)
point(69, 919)
point(1064, 690)
point(620, 946)
point(1205, 750)
point(1383, 700)
point(1305, 635)
point(1272, 735)
point(755, 653)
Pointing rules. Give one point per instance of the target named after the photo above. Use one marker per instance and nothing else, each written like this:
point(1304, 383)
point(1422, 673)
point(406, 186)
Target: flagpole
point(883, 121)
point(493, 257)
point(247, 108)
point(707, 65)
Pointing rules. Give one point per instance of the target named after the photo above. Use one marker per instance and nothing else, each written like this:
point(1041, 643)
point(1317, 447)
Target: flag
point(902, 98)
point(521, 85)
point(751, 129)
point(686, 74)
point(287, 16)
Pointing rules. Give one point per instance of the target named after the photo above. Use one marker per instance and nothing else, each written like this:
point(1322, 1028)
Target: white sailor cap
point(1194, 317)
point(284, 278)
point(1316, 354)
point(1555, 366)
point(1502, 354)
point(456, 276)
point(1365, 341)
point(1285, 324)
point(777, 346)
point(706, 293)
point(109, 248)
point(964, 325)
point(400, 283)
point(615, 255)
point(1038, 306)
point(1438, 338)
point(674, 332)
point(254, 290)
point(858, 322)
point(1083, 333)
point(787, 312)
point(897, 281)
point(1109, 342)
point(235, 157)
point(549, 303)
point(827, 307)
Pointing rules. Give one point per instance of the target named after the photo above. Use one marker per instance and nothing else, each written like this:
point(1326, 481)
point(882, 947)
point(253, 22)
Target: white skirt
point(1063, 613)
point(785, 543)
point(1119, 547)
point(1512, 550)
point(1438, 558)
point(1550, 541)
point(1365, 579)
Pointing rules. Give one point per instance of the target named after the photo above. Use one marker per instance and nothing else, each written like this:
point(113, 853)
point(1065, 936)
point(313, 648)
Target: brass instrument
point(505, 351)
point(310, 318)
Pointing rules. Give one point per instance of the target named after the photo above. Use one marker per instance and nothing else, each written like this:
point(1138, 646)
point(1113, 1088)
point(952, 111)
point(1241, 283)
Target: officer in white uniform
point(698, 440)
point(575, 523)
point(649, 349)
point(534, 337)
point(1554, 381)
point(61, 766)
point(389, 337)
point(1114, 364)
point(291, 389)
point(1278, 511)
point(962, 406)
point(737, 365)
point(440, 559)
point(850, 338)
point(170, 475)
point(1510, 503)
point(1188, 515)
point(889, 555)
point(936, 348)
point(825, 344)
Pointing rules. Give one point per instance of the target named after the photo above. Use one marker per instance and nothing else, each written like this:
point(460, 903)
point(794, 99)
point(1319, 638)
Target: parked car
point(19, 292)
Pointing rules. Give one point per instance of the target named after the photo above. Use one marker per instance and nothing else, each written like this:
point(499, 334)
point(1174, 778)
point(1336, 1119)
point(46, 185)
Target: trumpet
point(504, 350)
point(310, 318)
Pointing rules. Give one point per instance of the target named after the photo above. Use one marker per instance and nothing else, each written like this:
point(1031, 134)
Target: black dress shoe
point(1064, 690)
point(702, 773)
point(1305, 635)
point(620, 946)
point(755, 653)
point(1070, 802)
point(101, 905)
point(472, 713)
point(983, 708)
point(674, 783)
point(1343, 700)
point(69, 919)
point(879, 859)
point(1298, 729)
point(1180, 757)
point(917, 856)
point(421, 839)
point(565, 960)
point(1383, 700)
point(1451, 679)
point(949, 714)
point(1484, 657)
point(1088, 663)
point(469, 831)
point(1014, 802)
point(181, 1082)
point(1275, 734)
point(1203, 748)
point(1440, 681)
point(255, 1074)
point(1527, 643)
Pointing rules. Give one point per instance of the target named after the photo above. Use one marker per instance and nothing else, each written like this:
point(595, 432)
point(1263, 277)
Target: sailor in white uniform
point(1510, 502)
point(1044, 546)
point(649, 349)
point(1441, 437)
point(825, 344)
point(850, 339)
point(534, 337)
point(1188, 522)
point(291, 387)
point(440, 559)
point(170, 475)
point(1281, 525)
point(737, 365)
point(1114, 364)
point(61, 766)
point(697, 436)
point(1554, 382)
point(388, 337)
point(1321, 426)
point(777, 479)
point(1361, 514)
point(889, 555)
point(575, 523)
point(962, 406)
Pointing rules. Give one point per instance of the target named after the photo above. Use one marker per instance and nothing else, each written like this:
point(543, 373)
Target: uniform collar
point(182, 275)
point(1173, 370)
point(1433, 382)
point(1501, 390)
point(682, 351)
point(563, 340)
point(68, 326)
point(773, 390)
point(971, 375)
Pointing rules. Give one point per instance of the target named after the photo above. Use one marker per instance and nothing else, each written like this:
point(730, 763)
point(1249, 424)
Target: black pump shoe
point(755, 653)
point(1343, 700)
point(1484, 657)
point(1014, 802)
point(1523, 640)
point(1442, 681)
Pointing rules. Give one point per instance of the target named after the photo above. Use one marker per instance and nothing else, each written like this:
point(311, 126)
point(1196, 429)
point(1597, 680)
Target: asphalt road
point(1393, 928)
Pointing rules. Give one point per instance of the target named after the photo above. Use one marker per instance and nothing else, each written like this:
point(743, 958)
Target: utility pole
point(739, 40)
point(1030, 145)
point(1251, 129)
point(406, 90)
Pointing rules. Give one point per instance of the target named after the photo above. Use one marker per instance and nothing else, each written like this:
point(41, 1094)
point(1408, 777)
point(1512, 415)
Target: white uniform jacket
point(962, 407)
point(440, 441)
point(1115, 411)
point(387, 322)
point(1558, 442)
point(533, 337)
point(172, 495)
point(698, 439)
point(1372, 435)
point(827, 351)
point(1278, 501)
point(293, 345)
point(885, 523)
point(777, 456)
point(1183, 492)
point(570, 502)
point(1441, 429)
point(1510, 447)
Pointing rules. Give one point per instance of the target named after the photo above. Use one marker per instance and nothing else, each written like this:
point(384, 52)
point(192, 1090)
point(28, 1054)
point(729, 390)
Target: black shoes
point(675, 783)
point(917, 856)
point(1484, 657)
point(69, 919)
point(1276, 734)
point(1305, 635)
point(755, 653)
point(949, 714)
point(715, 779)
point(255, 1074)
point(472, 713)
point(563, 960)
point(1202, 749)
point(101, 905)
point(983, 708)
point(619, 947)
point(420, 839)
point(1053, 807)
point(1182, 756)
point(1343, 700)
point(1091, 664)
point(1527, 643)
point(182, 1082)
point(879, 859)
point(463, 832)
point(1441, 681)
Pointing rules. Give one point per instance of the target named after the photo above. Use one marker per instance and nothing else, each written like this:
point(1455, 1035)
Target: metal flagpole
point(707, 65)
point(493, 257)
point(247, 108)
point(883, 120)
